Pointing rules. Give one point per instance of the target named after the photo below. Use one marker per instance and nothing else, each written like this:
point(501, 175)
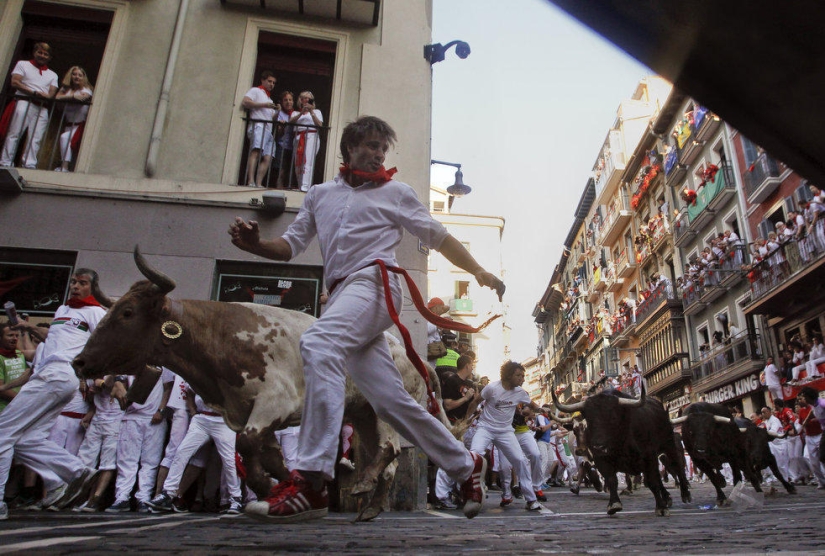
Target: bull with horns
point(630, 435)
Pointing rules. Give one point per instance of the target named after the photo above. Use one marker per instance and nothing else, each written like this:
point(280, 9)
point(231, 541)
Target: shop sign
point(734, 390)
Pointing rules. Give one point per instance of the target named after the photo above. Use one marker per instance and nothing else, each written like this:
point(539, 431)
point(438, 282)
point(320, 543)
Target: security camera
point(462, 50)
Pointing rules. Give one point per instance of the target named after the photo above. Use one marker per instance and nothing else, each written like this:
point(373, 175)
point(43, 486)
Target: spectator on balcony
point(733, 330)
point(783, 232)
point(801, 235)
point(815, 357)
point(307, 120)
point(76, 89)
point(664, 210)
point(262, 110)
point(283, 145)
point(773, 379)
point(798, 359)
point(813, 217)
point(35, 85)
point(776, 258)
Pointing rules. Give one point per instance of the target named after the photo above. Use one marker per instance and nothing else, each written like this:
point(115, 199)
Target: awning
point(361, 12)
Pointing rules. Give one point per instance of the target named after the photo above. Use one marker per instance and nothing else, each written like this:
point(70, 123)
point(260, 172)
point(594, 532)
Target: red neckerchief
point(44, 67)
point(77, 303)
point(288, 113)
point(268, 93)
point(380, 177)
point(8, 353)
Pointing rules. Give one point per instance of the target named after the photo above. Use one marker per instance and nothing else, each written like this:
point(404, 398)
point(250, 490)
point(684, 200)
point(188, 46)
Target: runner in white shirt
point(495, 425)
point(262, 110)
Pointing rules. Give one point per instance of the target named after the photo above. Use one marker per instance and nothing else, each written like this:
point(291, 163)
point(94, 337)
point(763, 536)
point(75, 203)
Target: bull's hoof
point(613, 508)
point(626, 492)
point(669, 502)
point(367, 514)
point(662, 512)
point(575, 489)
point(791, 489)
point(723, 503)
point(686, 498)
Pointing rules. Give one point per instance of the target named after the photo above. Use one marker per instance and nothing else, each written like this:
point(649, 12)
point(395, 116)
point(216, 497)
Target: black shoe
point(517, 492)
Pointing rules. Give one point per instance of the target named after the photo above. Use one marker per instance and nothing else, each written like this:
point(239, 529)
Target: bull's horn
point(720, 419)
point(743, 430)
point(678, 420)
point(571, 408)
point(563, 420)
point(101, 297)
point(634, 403)
point(162, 281)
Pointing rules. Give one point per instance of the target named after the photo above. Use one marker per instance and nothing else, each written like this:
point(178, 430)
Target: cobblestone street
point(578, 524)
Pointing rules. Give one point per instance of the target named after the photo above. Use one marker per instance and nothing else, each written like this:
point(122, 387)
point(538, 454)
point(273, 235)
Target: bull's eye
point(127, 313)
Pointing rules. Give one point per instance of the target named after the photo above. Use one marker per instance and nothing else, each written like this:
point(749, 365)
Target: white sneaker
point(252, 184)
point(304, 188)
point(346, 462)
point(235, 507)
point(533, 506)
point(4, 511)
point(53, 496)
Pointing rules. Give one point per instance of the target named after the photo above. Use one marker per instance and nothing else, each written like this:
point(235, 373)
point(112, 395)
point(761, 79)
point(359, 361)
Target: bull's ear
point(166, 310)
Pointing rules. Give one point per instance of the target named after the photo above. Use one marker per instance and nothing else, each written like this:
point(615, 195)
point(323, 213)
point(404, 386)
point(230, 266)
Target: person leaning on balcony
point(284, 134)
point(813, 216)
point(308, 120)
point(262, 110)
point(75, 87)
point(34, 84)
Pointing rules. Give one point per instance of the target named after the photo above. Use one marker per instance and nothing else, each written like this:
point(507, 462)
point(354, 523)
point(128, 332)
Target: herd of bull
point(621, 434)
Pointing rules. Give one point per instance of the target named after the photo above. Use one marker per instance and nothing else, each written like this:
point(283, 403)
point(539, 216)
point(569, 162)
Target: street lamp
point(459, 188)
point(434, 53)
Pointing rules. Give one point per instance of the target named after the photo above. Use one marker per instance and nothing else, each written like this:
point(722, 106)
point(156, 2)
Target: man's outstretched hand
point(245, 235)
point(490, 280)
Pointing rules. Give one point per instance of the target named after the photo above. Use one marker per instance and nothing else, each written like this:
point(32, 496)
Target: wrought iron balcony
point(761, 178)
point(743, 348)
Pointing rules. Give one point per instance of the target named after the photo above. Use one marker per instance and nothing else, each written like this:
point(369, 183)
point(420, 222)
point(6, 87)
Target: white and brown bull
point(244, 360)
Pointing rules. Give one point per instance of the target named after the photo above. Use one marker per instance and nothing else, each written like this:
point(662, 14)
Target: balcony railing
point(43, 133)
point(653, 301)
point(761, 178)
point(744, 347)
point(789, 259)
point(296, 162)
point(723, 183)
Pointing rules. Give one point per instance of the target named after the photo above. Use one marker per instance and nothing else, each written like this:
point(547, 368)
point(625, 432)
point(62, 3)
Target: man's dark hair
point(3, 325)
point(266, 74)
point(779, 403)
point(509, 369)
point(810, 394)
point(463, 361)
point(102, 298)
point(356, 131)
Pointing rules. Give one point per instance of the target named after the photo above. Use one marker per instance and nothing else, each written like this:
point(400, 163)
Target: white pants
point(548, 456)
point(288, 440)
point(68, 433)
point(527, 441)
point(443, 483)
point(24, 430)
point(779, 449)
point(100, 444)
point(26, 116)
point(509, 446)
point(307, 169)
point(177, 432)
point(357, 307)
point(66, 141)
point(811, 367)
point(813, 444)
point(202, 428)
point(140, 446)
point(797, 465)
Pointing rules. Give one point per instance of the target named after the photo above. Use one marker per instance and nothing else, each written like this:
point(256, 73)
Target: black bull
point(629, 436)
point(712, 438)
point(760, 456)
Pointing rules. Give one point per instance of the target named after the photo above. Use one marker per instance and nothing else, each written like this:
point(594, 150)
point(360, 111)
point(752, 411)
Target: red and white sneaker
point(474, 488)
point(505, 501)
point(291, 500)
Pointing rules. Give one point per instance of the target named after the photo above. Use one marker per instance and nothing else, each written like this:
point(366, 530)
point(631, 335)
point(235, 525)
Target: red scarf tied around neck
point(8, 353)
point(268, 93)
point(380, 176)
point(77, 303)
point(42, 68)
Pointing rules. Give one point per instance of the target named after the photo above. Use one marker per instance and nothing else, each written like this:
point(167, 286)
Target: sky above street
point(525, 115)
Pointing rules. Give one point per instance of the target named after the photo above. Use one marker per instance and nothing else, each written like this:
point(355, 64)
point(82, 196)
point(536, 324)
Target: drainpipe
point(163, 101)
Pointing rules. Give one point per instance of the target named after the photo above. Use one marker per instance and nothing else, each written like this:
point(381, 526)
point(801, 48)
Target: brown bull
point(243, 359)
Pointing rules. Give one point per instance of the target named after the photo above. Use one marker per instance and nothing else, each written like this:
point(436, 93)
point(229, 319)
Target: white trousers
point(357, 307)
point(25, 424)
point(68, 433)
point(26, 116)
point(443, 483)
point(203, 428)
point(288, 440)
point(797, 465)
point(527, 441)
point(779, 449)
point(66, 141)
point(811, 367)
point(100, 444)
point(813, 445)
point(548, 456)
point(139, 451)
point(307, 169)
point(177, 432)
point(509, 446)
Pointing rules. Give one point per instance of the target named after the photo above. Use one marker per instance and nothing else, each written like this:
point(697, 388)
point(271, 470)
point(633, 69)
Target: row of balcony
point(788, 260)
point(689, 143)
point(761, 178)
point(745, 347)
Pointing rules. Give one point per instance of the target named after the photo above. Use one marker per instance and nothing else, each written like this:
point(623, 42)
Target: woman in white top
point(76, 89)
point(308, 120)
